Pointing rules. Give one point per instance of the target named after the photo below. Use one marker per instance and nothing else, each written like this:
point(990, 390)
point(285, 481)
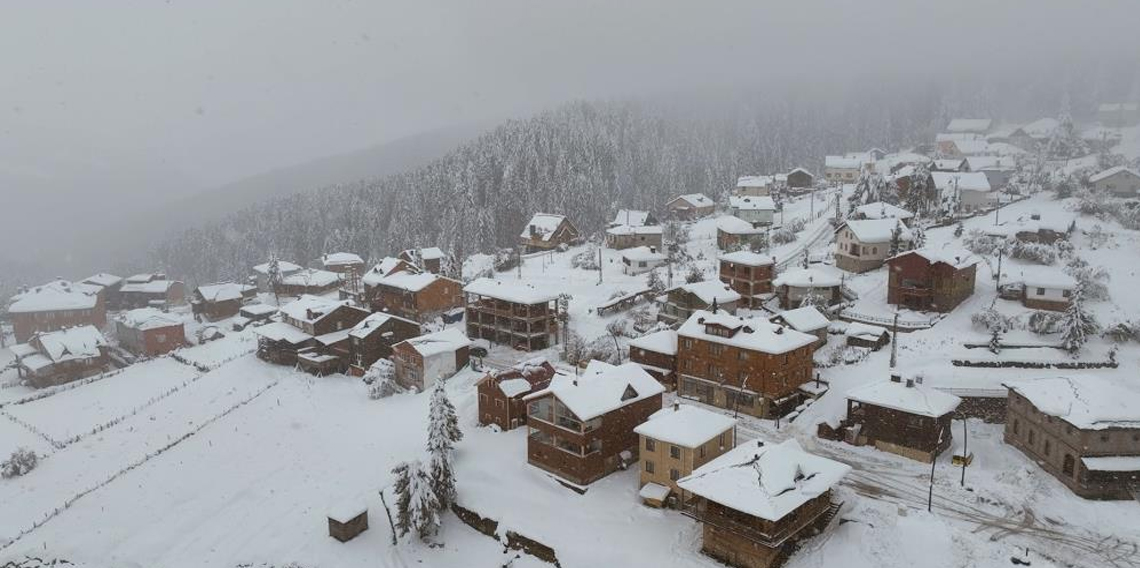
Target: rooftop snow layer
point(878, 230)
point(148, 318)
point(311, 309)
point(283, 266)
point(341, 259)
point(816, 276)
point(79, 342)
point(769, 481)
point(751, 203)
point(747, 258)
point(373, 322)
point(1089, 402)
point(694, 199)
point(753, 334)
point(737, 226)
point(1044, 277)
point(685, 425)
point(446, 341)
point(915, 399)
point(1111, 172)
point(806, 319)
point(280, 331)
point(630, 218)
point(643, 253)
point(883, 210)
point(710, 290)
point(311, 277)
point(103, 279)
point(957, 258)
point(602, 388)
point(969, 181)
point(514, 292)
point(754, 181)
point(408, 281)
point(54, 296)
point(544, 225)
point(635, 230)
point(223, 292)
point(664, 342)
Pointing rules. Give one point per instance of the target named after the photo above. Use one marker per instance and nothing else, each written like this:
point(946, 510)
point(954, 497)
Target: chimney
point(653, 250)
point(779, 330)
point(676, 405)
point(895, 378)
point(910, 383)
point(309, 314)
point(533, 230)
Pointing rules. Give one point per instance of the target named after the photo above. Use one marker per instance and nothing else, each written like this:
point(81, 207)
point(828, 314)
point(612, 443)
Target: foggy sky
point(113, 101)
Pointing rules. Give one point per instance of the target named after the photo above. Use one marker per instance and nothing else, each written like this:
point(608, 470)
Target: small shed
point(866, 335)
point(347, 520)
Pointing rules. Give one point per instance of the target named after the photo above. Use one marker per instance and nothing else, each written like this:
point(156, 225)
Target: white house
point(1119, 181)
point(971, 189)
point(638, 260)
point(865, 245)
point(754, 186)
point(757, 210)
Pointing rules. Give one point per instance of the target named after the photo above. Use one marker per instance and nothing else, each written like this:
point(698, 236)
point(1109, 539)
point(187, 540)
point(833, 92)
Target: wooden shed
point(347, 520)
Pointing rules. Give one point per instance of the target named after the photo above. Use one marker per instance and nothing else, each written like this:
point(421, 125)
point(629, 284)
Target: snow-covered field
point(240, 464)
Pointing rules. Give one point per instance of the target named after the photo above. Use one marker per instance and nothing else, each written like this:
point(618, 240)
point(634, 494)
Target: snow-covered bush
point(19, 463)
point(643, 318)
point(1124, 331)
point(1039, 253)
point(990, 319)
point(1097, 237)
point(1092, 279)
point(694, 274)
point(796, 225)
point(1044, 323)
point(782, 236)
point(603, 348)
point(654, 282)
point(617, 327)
point(587, 259)
point(1091, 203)
point(505, 259)
point(573, 348)
point(982, 244)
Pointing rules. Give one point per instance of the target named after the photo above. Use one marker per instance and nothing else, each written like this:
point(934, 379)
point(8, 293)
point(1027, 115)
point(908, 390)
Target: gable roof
point(753, 334)
point(1089, 402)
point(602, 388)
point(642, 253)
point(754, 181)
point(815, 276)
point(737, 226)
point(747, 258)
point(373, 322)
point(80, 342)
point(311, 309)
point(971, 181)
point(806, 319)
point(799, 170)
point(914, 399)
point(514, 292)
point(53, 296)
point(693, 199)
point(224, 291)
point(768, 481)
point(878, 230)
point(311, 277)
point(957, 258)
point(630, 218)
point(341, 259)
point(685, 425)
point(409, 281)
point(284, 266)
point(664, 342)
point(103, 279)
point(1049, 277)
point(709, 290)
point(846, 162)
point(144, 319)
point(883, 210)
point(752, 203)
point(385, 267)
point(1111, 172)
point(523, 377)
point(449, 340)
point(545, 224)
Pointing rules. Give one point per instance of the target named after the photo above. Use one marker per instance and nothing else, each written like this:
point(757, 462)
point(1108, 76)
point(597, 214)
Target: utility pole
point(519, 256)
point(998, 275)
point(895, 341)
point(965, 450)
point(933, 462)
point(599, 265)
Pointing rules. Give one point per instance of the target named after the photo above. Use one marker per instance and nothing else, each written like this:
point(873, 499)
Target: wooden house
point(386, 267)
point(1085, 431)
point(373, 337)
point(806, 319)
point(61, 356)
point(1119, 181)
point(734, 233)
point(149, 332)
point(794, 284)
point(428, 259)
point(421, 361)
point(750, 366)
point(151, 290)
point(881, 210)
point(690, 206)
point(261, 273)
point(110, 284)
point(511, 313)
point(547, 232)
point(632, 228)
point(582, 428)
point(253, 314)
point(843, 169)
point(416, 296)
point(901, 417)
point(861, 246)
point(222, 300)
point(757, 501)
point(754, 186)
point(928, 279)
point(757, 211)
point(749, 274)
point(342, 263)
point(501, 392)
point(309, 281)
point(1045, 288)
point(313, 334)
point(872, 337)
point(800, 178)
point(687, 299)
point(55, 305)
point(675, 441)
point(639, 260)
point(657, 354)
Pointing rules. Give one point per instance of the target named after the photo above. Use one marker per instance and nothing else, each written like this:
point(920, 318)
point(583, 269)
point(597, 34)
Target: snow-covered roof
point(54, 296)
point(769, 481)
point(347, 510)
point(846, 162)
point(955, 136)
point(664, 342)
point(311, 309)
point(747, 258)
point(685, 425)
point(1004, 149)
point(283, 266)
point(654, 492)
point(80, 342)
point(754, 181)
point(449, 340)
point(1112, 463)
point(409, 281)
point(1111, 172)
point(693, 199)
point(955, 257)
point(1089, 402)
point(634, 230)
point(280, 331)
point(973, 181)
point(709, 290)
point(341, 259)
point(432, 253)
point(914, 399)
point(981, 163)
point(949, 164)
point(800, 170)
point(258, 309)
point(631, 218)
point(514, 292)
point(883, 210)
point(382, 269)
point(148, 318)
point(333, 337)
point(224, 292)
point(752, 203)
point(524, 376)
point(816, 276)
point(806, 319)
point(373, 322)
point(865, 331)
point(544, 225)
point(311, 277)
point(878, 230)
point(737, 226)
point(972, 147)
point(514, 387)
point(752, 334)
point(142, 277)
point(103, 279)
point(1044, 277)
point(969, 125)
point(603, 388)
point(151, 287)
point(1041, 128)
point(639, 254)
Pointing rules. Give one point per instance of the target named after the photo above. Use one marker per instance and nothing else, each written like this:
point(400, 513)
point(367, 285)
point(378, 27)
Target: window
point(648, 466)
point(1040, 291)
point(674, 475)
point(1069, 465)
point(1048, 447)
point(688, 343)
point(499, 403)
point(650, 445)
point(701, 451)
point(742, 355)
point(675, 452)
point(723, 439)
point(1104, 438)
point(1067, 293)
point(1016, 426)
point(482, 398)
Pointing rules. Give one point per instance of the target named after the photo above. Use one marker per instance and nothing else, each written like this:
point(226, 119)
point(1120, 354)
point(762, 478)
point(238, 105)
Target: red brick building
point(148, 332)
point(221, 300)
point(501, 392)
point(931, 280)
point(416, 296)
point(61, 356)
point(581, 429)
point(56, 305)
point(748, 273)
point(751, 366)
point(657, 354)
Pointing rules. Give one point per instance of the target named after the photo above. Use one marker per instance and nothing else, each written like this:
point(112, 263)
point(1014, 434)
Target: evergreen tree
point(896, 240)
point(443, 433)
point(417, 506)
point(273, 276)
point(654, 282)
point(694, 274)
point(995, 340)
point(805, 261)
point(1077, 324)
point(919, 237)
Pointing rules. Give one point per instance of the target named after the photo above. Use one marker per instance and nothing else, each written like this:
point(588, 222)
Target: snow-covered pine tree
point(443, 433)
point(805, 261)
point(1077, 324)
point(273, 276)
point(959, 229)
point(995, 340)
point(654, 282)
point(896, 240)
point(694, 274)
point(919, 237)
point(417, 506)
